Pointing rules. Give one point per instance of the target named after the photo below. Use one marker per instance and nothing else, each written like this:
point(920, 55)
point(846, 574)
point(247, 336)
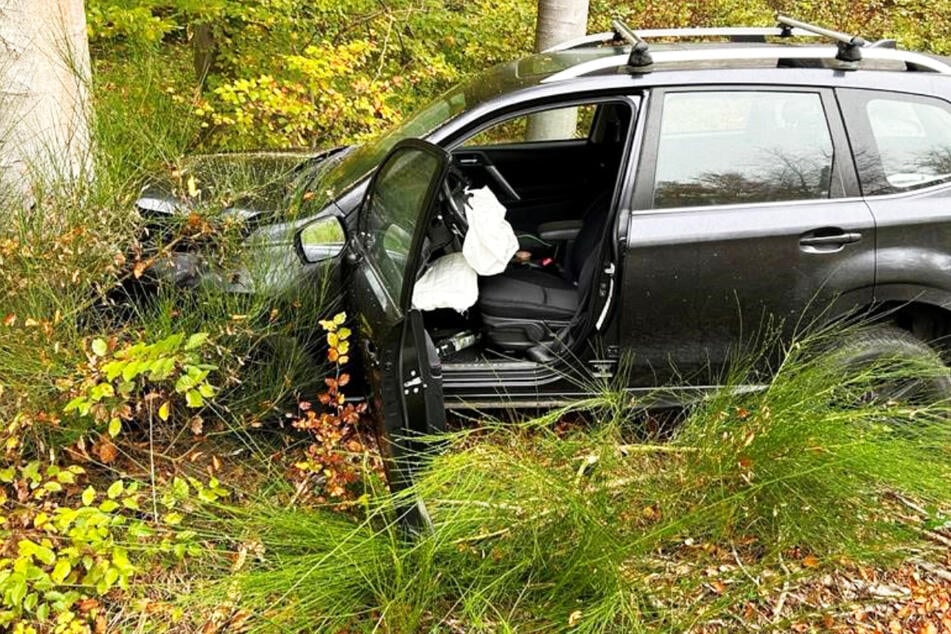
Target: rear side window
point(913, 140)
point(733, 147)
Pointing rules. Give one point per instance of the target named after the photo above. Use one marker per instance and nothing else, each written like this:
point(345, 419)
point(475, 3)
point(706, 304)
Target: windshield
point(337, 176)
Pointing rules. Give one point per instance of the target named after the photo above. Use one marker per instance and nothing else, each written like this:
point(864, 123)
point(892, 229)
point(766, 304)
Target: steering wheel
point(456, 200)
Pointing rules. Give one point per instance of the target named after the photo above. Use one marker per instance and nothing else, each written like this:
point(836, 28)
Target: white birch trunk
point(558, 21)
point(44, 86)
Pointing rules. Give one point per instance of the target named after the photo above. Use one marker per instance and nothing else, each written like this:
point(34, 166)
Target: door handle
point(828, 242)
point(838, 238)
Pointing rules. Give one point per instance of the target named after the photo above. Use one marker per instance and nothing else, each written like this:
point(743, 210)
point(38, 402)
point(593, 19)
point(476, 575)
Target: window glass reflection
point(913, 141)
point(720, 148)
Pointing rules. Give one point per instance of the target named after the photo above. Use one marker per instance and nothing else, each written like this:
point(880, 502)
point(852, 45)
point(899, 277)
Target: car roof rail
point(849, 46)
point(911, 60)
point(733, 33)
point(639, 56)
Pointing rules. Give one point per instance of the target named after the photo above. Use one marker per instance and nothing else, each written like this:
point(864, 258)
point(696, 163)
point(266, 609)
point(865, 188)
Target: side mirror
point(322, 239)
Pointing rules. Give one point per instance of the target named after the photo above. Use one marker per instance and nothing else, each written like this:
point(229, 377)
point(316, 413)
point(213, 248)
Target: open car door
point(401, 361)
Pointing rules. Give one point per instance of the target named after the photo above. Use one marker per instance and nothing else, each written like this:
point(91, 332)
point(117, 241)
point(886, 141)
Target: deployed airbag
point(449, 283)
point(490, 242)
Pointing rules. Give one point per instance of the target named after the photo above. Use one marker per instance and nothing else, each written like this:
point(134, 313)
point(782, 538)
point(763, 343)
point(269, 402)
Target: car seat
point(525, 306)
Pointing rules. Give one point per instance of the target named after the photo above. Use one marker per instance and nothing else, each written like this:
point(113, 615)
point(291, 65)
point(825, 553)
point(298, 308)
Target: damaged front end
point(228, 222)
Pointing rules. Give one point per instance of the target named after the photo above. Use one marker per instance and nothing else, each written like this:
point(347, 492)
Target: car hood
point(253, 187)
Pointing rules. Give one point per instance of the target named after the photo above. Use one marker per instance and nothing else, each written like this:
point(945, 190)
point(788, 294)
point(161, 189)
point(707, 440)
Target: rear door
point(743, 226)
point(902, 144)
point(402, 365)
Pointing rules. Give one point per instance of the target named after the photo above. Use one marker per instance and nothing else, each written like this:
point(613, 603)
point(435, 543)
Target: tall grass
point(538, 530)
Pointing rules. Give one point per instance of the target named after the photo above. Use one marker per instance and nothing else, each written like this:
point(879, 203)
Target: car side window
point(913, 140)
point(557, 124)
point(733, 147)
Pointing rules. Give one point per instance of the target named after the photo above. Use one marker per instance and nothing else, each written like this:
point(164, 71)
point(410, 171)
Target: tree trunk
point(44, 96)
point(558, 21)
point(204, 51)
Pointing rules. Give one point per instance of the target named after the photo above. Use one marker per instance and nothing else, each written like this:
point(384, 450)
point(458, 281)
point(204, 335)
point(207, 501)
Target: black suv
point(668, 200)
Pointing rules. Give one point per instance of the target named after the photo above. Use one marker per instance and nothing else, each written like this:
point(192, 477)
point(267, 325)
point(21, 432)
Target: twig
point(781, 603)
point(647, 448)
point(386, 45)
point(938, 537)
point(155, 513)
point(778, 608)
point(480, 504)
point(588, 461)
point(914, 507)
point(736, 558)
point(942, 573)
point(482, 536)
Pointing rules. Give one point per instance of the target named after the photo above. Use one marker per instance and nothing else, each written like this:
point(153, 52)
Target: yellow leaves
point(331, 325)
point(99, 347)
point(115, 490)
point(61, 570)
point(163, 411)
point(338, 346)
point(192, 185)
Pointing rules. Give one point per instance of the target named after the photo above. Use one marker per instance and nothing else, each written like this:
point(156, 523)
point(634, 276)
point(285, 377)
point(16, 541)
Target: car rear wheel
point(885, 364)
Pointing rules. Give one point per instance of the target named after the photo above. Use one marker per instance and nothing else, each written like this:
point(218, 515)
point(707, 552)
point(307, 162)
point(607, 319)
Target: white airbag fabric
point(490, 242)
point(449, 283)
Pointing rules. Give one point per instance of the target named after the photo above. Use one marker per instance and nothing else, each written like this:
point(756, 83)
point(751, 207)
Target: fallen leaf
point(87, 605)
point(106, 451)
point(139, 268)
point(574, 618)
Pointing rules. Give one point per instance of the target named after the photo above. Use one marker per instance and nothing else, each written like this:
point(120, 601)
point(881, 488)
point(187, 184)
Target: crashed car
point(620, 202)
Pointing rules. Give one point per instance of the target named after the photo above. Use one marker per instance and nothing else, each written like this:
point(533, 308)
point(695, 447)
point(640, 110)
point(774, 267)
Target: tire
point(877, 345)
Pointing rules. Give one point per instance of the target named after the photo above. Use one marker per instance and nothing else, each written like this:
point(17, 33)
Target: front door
point(402, 364)
point(746, 225)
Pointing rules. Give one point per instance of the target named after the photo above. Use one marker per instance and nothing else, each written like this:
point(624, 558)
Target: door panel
point(711, 281)
point(902, 145)
point(741, 230)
